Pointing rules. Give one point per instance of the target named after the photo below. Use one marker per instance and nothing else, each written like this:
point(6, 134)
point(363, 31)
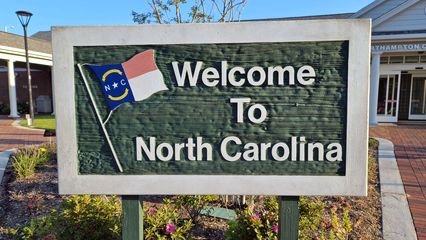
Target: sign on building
point(277, 108)
point(408, 47)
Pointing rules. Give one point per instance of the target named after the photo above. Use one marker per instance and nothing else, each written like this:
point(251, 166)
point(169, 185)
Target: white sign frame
point(356, 31)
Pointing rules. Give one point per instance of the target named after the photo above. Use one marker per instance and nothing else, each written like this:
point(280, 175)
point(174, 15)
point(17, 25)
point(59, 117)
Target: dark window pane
point(396, 59)
point(411, 59)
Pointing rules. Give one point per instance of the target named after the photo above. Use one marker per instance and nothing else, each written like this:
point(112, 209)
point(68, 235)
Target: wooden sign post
point(288, 218)
point(132, 223)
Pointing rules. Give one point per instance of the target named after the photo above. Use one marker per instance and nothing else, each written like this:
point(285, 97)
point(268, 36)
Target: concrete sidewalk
point(396, 217)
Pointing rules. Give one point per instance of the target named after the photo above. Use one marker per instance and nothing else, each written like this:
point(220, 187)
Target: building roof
point(17, 41)
point(44, 35)
point(313, 17)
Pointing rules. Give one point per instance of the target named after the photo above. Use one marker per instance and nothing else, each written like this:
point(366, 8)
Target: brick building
point(13, 74)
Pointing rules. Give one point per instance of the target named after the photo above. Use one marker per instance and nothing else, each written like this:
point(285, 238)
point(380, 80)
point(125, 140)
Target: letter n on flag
point(133, 80)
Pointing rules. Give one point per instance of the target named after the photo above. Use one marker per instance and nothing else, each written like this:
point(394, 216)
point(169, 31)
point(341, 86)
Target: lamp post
point(24, 17)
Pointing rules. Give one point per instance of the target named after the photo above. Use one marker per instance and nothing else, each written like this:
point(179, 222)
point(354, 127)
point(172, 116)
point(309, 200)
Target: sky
point(49, 13)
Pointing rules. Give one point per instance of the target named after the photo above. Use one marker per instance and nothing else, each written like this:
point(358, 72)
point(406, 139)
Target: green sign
point(251, 108)
point(234, 110)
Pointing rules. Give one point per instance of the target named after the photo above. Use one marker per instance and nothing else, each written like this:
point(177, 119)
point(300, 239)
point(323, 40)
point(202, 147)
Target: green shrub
point(193, 204)
point(373, 142)
point(23, 108)
point(4, 108)
point(79, 217)
point(24, 164)
point(316, 221)
point(311, 216)
point(49, 150)
point(25, 160)
point(321, 221)
point(165, 223)
point(100, 218)
point(252, 225)
point(85, 215)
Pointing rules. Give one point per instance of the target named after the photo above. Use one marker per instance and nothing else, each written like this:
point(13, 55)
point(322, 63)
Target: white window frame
point(416, 116)
point(385, 117)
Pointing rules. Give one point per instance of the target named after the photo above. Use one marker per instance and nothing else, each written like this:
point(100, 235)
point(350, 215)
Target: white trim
point(21, 52)
point(402, 67)
point(367, 8)
point(393, 12)
point(405, 37)
point(16, 58)
point(398, 91)
point(18, 55)
point(11, 82)
point(374, 86)
point(387, 92)
point(354, 183)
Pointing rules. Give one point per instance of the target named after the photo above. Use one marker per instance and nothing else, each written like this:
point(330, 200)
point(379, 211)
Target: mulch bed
point(23, 200)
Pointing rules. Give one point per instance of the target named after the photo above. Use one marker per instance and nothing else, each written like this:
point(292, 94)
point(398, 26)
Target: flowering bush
point(316, 221)
point(165, 223)
point(255, 225)
point(79, 217)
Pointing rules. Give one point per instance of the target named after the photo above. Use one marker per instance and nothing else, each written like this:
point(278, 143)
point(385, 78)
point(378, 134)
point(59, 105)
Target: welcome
point(255, 76)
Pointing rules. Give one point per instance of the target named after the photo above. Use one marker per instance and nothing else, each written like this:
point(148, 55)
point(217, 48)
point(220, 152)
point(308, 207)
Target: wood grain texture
point(288, 226)
point(132, 222)
point(317, 112)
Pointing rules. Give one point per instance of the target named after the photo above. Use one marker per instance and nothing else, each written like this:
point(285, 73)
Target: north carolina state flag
point(134, 80)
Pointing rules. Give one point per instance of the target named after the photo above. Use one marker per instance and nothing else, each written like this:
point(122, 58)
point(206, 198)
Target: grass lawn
point(42, 122)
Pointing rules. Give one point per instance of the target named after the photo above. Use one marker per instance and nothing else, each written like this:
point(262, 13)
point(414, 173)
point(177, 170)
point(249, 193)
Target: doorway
point(418, 98)
point(388, 97)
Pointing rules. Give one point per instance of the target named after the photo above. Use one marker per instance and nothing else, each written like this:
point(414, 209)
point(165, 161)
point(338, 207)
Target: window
point(384, 60)
point(403, 59)
point(412, 59)
point(396, 59)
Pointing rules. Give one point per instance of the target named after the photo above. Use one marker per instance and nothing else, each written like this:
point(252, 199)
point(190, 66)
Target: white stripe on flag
point(143, 86)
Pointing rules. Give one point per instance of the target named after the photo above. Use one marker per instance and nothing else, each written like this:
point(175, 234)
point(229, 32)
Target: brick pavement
point(12, 137)
point(410, 151)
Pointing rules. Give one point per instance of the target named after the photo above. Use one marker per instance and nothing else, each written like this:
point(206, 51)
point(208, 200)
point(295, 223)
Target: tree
point(191, 11)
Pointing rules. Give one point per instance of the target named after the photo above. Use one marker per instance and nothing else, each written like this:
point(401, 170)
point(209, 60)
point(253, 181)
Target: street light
point(24, 17)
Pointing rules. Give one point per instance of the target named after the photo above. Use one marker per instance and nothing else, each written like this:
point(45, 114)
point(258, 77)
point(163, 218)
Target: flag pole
point(100, 119)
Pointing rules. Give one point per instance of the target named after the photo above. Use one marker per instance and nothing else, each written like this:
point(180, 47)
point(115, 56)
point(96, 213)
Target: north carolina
point(297, 149)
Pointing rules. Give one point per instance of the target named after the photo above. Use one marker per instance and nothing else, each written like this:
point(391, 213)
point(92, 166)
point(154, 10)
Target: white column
point(374, 86)
point(12, 90)
point(53, 90)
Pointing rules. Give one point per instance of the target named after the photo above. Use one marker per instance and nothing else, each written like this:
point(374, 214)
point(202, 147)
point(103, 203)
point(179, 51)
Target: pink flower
point(151, 212)
point(255, 217)
point(275, 228)
point(170, 228)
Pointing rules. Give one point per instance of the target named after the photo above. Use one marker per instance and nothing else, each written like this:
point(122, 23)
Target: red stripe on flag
point(140, 64)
